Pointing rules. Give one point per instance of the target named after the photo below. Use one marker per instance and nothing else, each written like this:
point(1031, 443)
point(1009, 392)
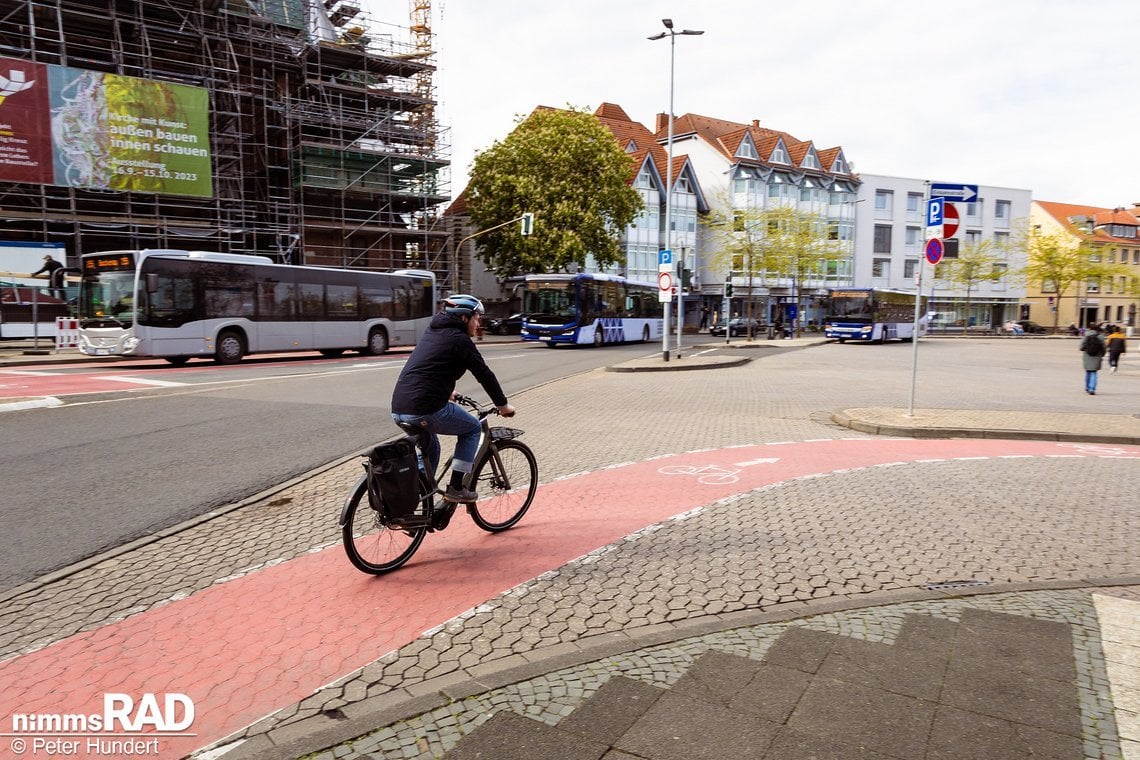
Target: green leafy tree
point(977, 263)
point(774, 243)
point(1065, 263)
point(569, 171)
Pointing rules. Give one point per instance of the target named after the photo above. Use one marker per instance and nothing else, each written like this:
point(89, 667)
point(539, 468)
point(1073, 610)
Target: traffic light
point(527, 223)
point(728, 290)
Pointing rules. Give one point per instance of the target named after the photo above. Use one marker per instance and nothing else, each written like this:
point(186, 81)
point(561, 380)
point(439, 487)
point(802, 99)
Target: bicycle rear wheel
point(369, 544)
point(505, 480)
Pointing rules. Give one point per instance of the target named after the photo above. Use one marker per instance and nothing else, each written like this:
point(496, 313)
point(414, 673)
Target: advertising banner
point(91, 129)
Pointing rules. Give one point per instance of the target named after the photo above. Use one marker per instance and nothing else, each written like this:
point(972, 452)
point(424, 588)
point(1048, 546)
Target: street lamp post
point(672, 35)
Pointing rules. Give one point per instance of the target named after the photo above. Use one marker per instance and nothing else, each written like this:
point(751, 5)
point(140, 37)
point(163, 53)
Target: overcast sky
point(1041, 95)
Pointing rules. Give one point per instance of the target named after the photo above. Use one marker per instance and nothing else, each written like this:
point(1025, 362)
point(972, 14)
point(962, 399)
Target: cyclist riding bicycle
point(426, 386)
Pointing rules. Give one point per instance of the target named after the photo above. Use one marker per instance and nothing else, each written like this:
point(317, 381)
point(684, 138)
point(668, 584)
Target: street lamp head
point(668, 22)
point(693, 32)
point(660, 36)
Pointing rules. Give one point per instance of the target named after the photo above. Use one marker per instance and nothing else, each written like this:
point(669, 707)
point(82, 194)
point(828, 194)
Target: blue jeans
point(452, 419)
point(1090, 380)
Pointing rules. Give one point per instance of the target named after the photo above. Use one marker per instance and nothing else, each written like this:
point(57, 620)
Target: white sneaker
point(1114, 370)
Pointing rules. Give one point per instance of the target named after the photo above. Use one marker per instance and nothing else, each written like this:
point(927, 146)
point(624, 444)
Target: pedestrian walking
point(1092, 354)
point(704, 318)
point(1115, 344)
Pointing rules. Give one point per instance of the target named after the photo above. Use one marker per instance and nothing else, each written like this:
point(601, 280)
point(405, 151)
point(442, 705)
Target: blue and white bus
point(872, 315)
point(593, 309)
point(179, 304)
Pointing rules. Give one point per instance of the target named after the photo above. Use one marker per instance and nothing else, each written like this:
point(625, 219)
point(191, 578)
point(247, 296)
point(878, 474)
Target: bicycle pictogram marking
point(709, 474)
point(1103, 450)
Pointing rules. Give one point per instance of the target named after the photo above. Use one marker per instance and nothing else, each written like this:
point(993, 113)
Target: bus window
point(311, 298)
point(341, 301)
point(172, 301)
point(275, 300)
point(376, 299)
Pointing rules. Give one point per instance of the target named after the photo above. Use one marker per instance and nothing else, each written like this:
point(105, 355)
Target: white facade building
point(890, 241)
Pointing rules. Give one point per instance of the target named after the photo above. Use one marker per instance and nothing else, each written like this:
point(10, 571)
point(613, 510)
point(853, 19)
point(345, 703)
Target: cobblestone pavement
point(646, 605)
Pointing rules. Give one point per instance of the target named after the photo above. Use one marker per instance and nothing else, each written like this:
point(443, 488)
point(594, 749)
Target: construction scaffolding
point(324, 147)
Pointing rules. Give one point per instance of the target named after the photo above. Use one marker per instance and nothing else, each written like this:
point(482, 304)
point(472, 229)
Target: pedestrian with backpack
point(1092, 353)
point(1115, 343)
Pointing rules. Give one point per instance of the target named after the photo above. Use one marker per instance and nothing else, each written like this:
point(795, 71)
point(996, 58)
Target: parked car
point(511, 325)
point(737, 327)
point(1031, 327)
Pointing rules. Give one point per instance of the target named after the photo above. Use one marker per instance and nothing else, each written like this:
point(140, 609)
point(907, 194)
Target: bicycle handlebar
point(475, 407)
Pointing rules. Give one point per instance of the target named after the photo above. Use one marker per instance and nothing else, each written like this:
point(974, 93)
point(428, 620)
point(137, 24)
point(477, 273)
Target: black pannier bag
point(393, 477)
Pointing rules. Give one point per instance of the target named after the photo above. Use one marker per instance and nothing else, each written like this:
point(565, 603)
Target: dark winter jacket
point(440, 358)
point(1117, 343)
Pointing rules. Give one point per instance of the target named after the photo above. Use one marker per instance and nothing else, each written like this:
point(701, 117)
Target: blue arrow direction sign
point(962, 193)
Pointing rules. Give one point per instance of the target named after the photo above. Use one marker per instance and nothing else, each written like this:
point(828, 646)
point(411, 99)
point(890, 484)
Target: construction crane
point(423, 118)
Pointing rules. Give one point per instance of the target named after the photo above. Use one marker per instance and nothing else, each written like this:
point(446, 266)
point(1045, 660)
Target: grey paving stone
point(772, 694)
point(881, 721)
point(612, 710)
point(793, 745)
point(800, 648)
point(960, 735)
point(678, 728)
point(508, 736)
point(717, 677)
point(912, 672)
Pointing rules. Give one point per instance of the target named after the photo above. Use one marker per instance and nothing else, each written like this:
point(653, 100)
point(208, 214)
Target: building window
point(974, 209)
point(779, 155)
point(913, 203)
point(811, 161)
point(1001, 240)
point(910, 266)
point(1001, 210)
point(1092, 286)
point(882, 238)
point(747, 149)
point(881, 268)
point(913, 237)
point(884, 200)
point(973, 237)
point(1048, 286)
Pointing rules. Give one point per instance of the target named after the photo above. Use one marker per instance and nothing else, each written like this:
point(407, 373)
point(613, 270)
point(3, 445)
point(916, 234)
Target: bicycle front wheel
point(369, 544)
point(505, 480)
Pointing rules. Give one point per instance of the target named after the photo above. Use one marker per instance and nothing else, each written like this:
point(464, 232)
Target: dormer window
point(747, 149)
point(811, 160)
point(779, 154)
point(630, 147)
point(839, 166)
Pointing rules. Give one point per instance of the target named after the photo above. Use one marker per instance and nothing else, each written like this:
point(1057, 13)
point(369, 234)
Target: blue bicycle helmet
point(462, 305)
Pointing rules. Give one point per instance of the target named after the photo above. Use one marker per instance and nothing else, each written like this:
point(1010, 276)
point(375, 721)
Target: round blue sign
point(934, 249)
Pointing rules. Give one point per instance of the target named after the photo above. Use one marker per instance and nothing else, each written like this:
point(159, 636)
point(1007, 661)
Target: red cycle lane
point(23, 383)
point(248, 647)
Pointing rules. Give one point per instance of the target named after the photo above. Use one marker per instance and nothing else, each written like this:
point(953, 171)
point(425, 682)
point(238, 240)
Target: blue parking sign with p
point(934, 208)
point(665, 257)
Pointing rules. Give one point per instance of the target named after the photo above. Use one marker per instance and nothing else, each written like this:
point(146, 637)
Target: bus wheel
point(599, 336)
point(377, 342)
point(645, 334)
point(178, 361)
point(230, 348)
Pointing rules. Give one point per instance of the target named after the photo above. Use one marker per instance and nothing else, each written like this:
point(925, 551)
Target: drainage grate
point(945, 585)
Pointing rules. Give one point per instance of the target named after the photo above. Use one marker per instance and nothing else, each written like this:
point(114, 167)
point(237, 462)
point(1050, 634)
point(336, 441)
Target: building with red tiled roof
point(1114, 234)
point(747, 166)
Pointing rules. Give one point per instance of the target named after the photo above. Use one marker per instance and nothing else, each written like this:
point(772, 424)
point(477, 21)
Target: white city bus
point(590, 308)
point(872, 315)
point(179, 304)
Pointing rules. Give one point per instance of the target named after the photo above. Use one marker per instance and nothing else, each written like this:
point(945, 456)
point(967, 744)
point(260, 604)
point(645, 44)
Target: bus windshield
point(106, 291)
point(549, 299)
point(853, 306)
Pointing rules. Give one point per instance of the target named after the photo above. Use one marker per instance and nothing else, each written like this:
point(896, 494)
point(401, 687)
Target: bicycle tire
point(370, 545)
point(500, 507)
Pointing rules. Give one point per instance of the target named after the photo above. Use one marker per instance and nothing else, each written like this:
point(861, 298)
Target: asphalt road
point(111, 466)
